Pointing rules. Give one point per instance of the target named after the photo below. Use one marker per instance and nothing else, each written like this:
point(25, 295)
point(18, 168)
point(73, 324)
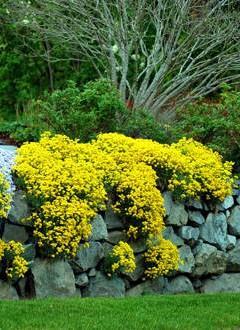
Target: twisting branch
point(159, 53)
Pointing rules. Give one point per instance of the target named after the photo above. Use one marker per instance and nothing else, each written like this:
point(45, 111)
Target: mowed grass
point(221, 311)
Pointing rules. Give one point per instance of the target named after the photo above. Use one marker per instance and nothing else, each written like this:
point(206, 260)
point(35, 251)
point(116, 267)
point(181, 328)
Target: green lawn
point(220, 311)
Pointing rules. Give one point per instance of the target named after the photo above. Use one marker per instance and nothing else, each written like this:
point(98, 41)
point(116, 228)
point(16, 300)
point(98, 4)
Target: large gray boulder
point(7, 291)
point(233, 259)
point(81, 280)
point(139, 271)
point(169, 234)
point(196, 204)
point(139, 245)
point(196, 217)
point(53, 278)
point(116, 236)
point(227, 203)
point(99, 229)
point(19, 208)
point(189, 233)
point(149, 287)
point(208, 260)
point(178, 215)
point(234, 221)
point(89, 257)
point(102, 286)
point(112, 220)
point(224, 283)
point(14, 232)
point(187, 259)
point(214, 230)
point(179, 285)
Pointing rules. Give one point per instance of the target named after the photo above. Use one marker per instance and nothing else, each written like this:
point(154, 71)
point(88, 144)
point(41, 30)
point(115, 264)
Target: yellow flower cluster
point(139, 199)
point(15, 266)
point(61, 225)
point(188, 168)
point(5, 196)
point(161, 258)
point(123, 258)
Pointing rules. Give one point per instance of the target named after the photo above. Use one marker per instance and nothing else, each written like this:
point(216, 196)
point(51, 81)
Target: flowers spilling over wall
point(14, 265)
point(6, 182)
point(67, 183)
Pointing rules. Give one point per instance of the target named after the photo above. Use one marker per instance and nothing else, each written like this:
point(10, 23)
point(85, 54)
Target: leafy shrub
point(83, 115)
point(77, 114)
point(13, 264)
point(214, 124)
point(141, 124)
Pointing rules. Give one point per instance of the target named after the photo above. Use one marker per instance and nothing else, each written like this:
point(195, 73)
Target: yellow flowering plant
point(13, 263)
point(121, 259)
point(138, 198)
point(5, 196)
point(161, 258)
point(60, 226)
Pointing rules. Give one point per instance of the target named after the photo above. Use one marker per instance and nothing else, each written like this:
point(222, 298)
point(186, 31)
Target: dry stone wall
point(208, 238)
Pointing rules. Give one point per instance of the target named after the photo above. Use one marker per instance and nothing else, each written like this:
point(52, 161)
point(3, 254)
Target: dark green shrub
point(214, 124)
point(141, 124)
point(84, 114)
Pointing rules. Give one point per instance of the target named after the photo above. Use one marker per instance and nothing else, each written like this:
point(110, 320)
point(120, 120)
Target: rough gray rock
point(178, 215)
point(19, 208)
point(101, 286)
point(227, 203)
point(89, 257)
point(29, 252)
point(169, 234)
point(180, 284)
point(107, 248)
point(233, 259)
point(81, 280)
point(187, 258)
point(112, 220)
point(231, 240)
point(139, 245)
point(7, 291)
point(14, 232)
point(156, 286)
point(92, 272)
point(195, 204)
point(189, 233)
point(53, 278)
point(168, 202)
point(116, 236)
point(234, 221)
point(238, 194)
point(99, 229)
point(196, 217)
point(214, 230)
point(208, 260)
point(139, 271)
point(224, 283)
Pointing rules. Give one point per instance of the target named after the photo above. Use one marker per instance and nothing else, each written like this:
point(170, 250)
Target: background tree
point(159, 53)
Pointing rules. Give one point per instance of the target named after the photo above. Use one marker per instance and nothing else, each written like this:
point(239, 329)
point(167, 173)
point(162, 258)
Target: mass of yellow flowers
point(5, 196)
point(161, 258)
point(68, 182)
point(123, 258)
point(14, 265)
